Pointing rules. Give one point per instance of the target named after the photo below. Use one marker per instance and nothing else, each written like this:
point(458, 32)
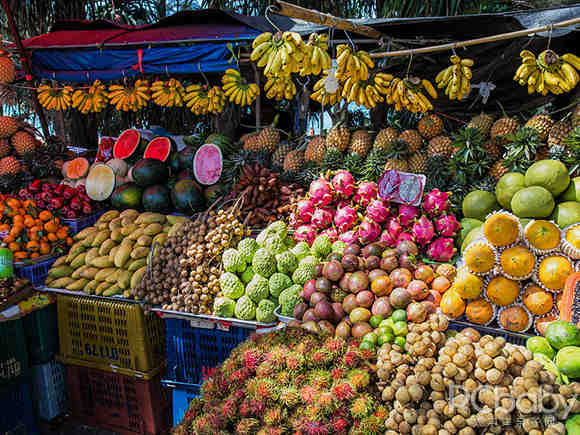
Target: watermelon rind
point(148, 172)
point(158, 148)
point(156, 198)
point(212, 175)
point(127, 196)
point(126, 144)
point(96, 183)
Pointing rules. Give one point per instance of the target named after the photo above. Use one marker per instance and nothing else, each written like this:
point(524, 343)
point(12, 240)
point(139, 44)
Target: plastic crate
point(17, 416)
point(35, 273)
point(76, 225)
point(114, 336)
point(181, 395)
point(49, 390)
point(510, 337)
point(41, 330)
point(192, 352)
point(13, 353)
point(116, 402)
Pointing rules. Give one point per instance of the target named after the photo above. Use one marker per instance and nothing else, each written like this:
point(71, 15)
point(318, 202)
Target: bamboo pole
point(293, 11)
point(258, 107)
point(26, 66)
point(469, 42)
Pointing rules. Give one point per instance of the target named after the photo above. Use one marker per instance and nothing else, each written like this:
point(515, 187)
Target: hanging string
point(268, 10)
point(203, 74)
point(350, 40)
point(409, 66)
point(550, 35)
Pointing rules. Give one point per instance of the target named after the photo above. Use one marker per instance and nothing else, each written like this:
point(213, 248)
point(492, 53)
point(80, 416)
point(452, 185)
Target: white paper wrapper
point(530, 316)
point(523, 277)
point(493, 250)
point(541, 251)
point(506, 213)
point(491, 319)
point(486, 296)
point(537, 268)
point(567, 247)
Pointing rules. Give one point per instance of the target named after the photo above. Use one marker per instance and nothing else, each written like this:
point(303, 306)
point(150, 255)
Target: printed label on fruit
point(402, 187)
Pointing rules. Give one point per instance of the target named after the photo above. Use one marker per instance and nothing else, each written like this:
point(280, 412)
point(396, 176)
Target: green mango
point(568, 361)
point(561, 334)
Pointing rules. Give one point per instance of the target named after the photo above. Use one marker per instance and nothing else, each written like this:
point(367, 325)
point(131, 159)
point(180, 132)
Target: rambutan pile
point(289, 382)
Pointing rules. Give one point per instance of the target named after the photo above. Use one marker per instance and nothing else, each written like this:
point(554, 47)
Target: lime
point(400, 341)
point(388, 323)
point(540, 345)
point(371, 337)
point(382, 330)
point(386, 338)
point(399, 316)
point(366, 345)
point(376, 320)
point(400, 328)
point(450, 333)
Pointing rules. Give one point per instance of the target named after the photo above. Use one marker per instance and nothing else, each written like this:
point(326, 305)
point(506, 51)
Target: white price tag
point(200, 323)
point(221, 326)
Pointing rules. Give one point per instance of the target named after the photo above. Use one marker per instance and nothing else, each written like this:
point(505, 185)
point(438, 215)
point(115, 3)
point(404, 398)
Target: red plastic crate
point(123, 404)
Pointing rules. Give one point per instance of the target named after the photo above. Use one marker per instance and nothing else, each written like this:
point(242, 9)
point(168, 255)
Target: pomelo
point(474, 234)
point(478, 204)
point(549, 174)
point(507, 186)
point(467, 224)
point(572, 193)
point(533, 202)
point(567, 213)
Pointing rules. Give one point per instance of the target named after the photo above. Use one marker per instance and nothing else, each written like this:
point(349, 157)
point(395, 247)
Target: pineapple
point(559, 132)
point(9, 166)
point(542, 123)
point(7, 70)
point(487, 183)
point(8, 126)
point(5, 147)
point(576, 116)
point(280, 154)
point(250, 141)
point(397, 157)
point(385, 138)
point(502, 128)
point(482, 123)
point(418, 163)
point(353, 163)
point(23, 143)
point(430, 126)
point(440, 146)
point(338, 137)
point(559, 152)
point(374, 164)
point(360, 143)
point(413, 138)
point(294, 161)
point(438, 175)
point(498, 170)
point(268, 139)
point(315, 149)
point(333, 160)
point(493, 150)
point(522, 149)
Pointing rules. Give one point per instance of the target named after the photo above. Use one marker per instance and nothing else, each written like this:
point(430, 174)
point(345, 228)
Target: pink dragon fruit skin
point(332, 234)
point(321, 192)
point(304, 211)
point(423, 230)
point(322, 218)
point(344, 184)
point(349, 237)
point(387, 238)
point(366, 192)
point(404, 236)
point(407, 214)
point(305, 233)
point(441, 249)
point(378, 210)
point(345, 218)
point(435, 203)
point(293, 220)
point(447, 225)
point(368, 231)
point(394, 227)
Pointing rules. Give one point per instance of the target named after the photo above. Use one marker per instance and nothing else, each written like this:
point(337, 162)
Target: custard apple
point(311, 260)
point(224, 307)
point(245, 309)
point(289, 242)
point(265, 311)
point(231, 286)
point(247, 275)
point(264, 234)
point(263, 263)
point(247, 247)
point(257, 289)
point(275, 244)
point(286, 262)
point(289, 298)
point(301, 250)
point(279, 282)
point(338, 247)
point(278, 227)
point(322, 246)
point(303, 274)
point(233, 261)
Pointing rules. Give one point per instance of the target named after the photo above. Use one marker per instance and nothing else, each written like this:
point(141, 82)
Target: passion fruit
point(479, 311)
point(514, 318)
point(382, 285)
point(400, 298)
point(452, 305)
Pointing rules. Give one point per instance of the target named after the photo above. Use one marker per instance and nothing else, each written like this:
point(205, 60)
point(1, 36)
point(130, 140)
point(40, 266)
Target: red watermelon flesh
point(159, 148)
point(207, 164)
point(126, 144)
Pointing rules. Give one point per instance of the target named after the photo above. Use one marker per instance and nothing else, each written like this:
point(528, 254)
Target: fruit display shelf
point(206, 321)
point(511, 337)
point(116, 298)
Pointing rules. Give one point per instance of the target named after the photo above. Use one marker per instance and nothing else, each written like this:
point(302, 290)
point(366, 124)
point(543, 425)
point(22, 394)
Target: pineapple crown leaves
point(521, 150)
point(471, 160)
point(468, 138)
point(373, 165)
point(399, 150)
point(333, 160)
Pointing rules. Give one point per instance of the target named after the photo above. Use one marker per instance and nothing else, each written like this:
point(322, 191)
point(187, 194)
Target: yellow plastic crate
point(113, 336)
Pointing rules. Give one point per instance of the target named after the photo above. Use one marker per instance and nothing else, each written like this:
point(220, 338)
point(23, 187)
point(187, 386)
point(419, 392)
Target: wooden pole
point(293, 11)
point(26, 66)
point(258, 106)
point(485, 40)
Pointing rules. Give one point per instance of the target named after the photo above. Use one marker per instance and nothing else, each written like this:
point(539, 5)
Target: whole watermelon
point(187, 197)
point(156, 198)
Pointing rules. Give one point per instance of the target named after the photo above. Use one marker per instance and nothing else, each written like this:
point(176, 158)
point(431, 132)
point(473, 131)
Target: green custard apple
point(258, 288)
point(265, 311)
point(264, 263)
point(245, 309)
point(231, 286)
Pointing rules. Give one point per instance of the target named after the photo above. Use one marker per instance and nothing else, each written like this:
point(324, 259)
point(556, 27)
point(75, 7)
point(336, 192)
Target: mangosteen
point(352, 249)
point(350, 262)
point(323, 285)
point(372, 262)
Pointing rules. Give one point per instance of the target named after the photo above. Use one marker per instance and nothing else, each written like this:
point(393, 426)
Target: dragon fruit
point(305, 233)
point(447, 225)
point(404, 236)
point(366, 192)
point(378, 210)
point(441, 249)
point(322, 218)
point(345, 218)
point(407, 214)
point(343, 183)
point(435, 203)
point(304, 211)
point(349, 237)
point(387, 238)
point(321, 192)
point(394, 227)
point(332, 234)
point(368, 231)
point(423, 230)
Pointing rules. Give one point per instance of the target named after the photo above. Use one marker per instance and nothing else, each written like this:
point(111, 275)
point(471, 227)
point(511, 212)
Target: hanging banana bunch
point(278, 88)
point(168, 93)
point(322, 96)
point(201, 100)
point(217, 100)
point(362, 92)
point(408, 94)
point(548, 73)
point(316, 57)
point(352, 64)
point(456, 79)
point(129, 99)
point(55, 98)
point(92, 100)
point(280, 54)
point(237, 89)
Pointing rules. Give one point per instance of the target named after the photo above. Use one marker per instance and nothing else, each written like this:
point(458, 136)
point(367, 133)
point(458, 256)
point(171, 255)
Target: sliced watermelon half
point(126, 144)
point(159, 149)
point(208, 164)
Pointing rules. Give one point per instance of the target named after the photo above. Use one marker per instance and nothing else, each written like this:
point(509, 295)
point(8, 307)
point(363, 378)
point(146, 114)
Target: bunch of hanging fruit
point(548, 72)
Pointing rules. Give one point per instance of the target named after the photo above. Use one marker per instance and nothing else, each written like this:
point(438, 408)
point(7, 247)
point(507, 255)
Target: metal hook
point(268, 9)
point(202, 73)
point(410, 62)
point(350, 40)
point(550, 35)
point(167, 70)
point(453, 49)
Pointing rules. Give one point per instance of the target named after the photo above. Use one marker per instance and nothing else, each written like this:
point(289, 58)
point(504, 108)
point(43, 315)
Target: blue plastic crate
point(41, 330)
point(182, 395)
point(35, 273)
point(192, 353)
point(14, 362)
point(17, 416)
point(510, 337)
point(49, 390)
point(76, 225)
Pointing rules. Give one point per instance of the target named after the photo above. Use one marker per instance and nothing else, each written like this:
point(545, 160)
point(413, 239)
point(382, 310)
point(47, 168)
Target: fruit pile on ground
point(30, 231)
point(357, 289)
point(512, 274)
point(11, 286)
point(110, 258)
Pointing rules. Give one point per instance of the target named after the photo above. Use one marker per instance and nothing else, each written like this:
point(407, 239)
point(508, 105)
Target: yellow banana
point(572, 59)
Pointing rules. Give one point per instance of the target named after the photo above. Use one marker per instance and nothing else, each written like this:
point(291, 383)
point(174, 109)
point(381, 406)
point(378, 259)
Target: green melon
point(549, 174)
point(467, 224)
point(572, 193)
point(187, 196)
point(533, 202)
point(148, 172)
point(474, 234)
point(507, 186)
point(100, 182)
point(127, 196)
point(212, 193)
point(566, 213)
point(186, 158)
point(478, 204)
point(156, 198)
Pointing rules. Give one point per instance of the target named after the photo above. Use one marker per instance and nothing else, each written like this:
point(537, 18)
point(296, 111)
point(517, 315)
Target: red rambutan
point(327, 402)
point(240, 376)
point(340, 425)
point(266, 369)
point(359, 379)
point(257, 407)
point(245, 409)
point(381, 412)
point(315, 428)
point(337, 373)
point(252, 359)
point(320, 379)
point(283, 378)
point(371, 425)
point(230, 409)
point(294, 361)
point(267, 390)
point(321, 358)
point(271, 430)
point(351, 358)
point(362, 406)
point(308, 393)
point(343, 391)
point(247, 426)
point(273, 416)
point(335, 345)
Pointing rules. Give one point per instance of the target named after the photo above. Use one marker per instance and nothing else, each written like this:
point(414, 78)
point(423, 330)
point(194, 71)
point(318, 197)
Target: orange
point(479, 311)
point(479, 257)
point(517, 261)
point(502, 291)
point(45, 215)
point(543, 235)
point(553, 272)
point(501, 229)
